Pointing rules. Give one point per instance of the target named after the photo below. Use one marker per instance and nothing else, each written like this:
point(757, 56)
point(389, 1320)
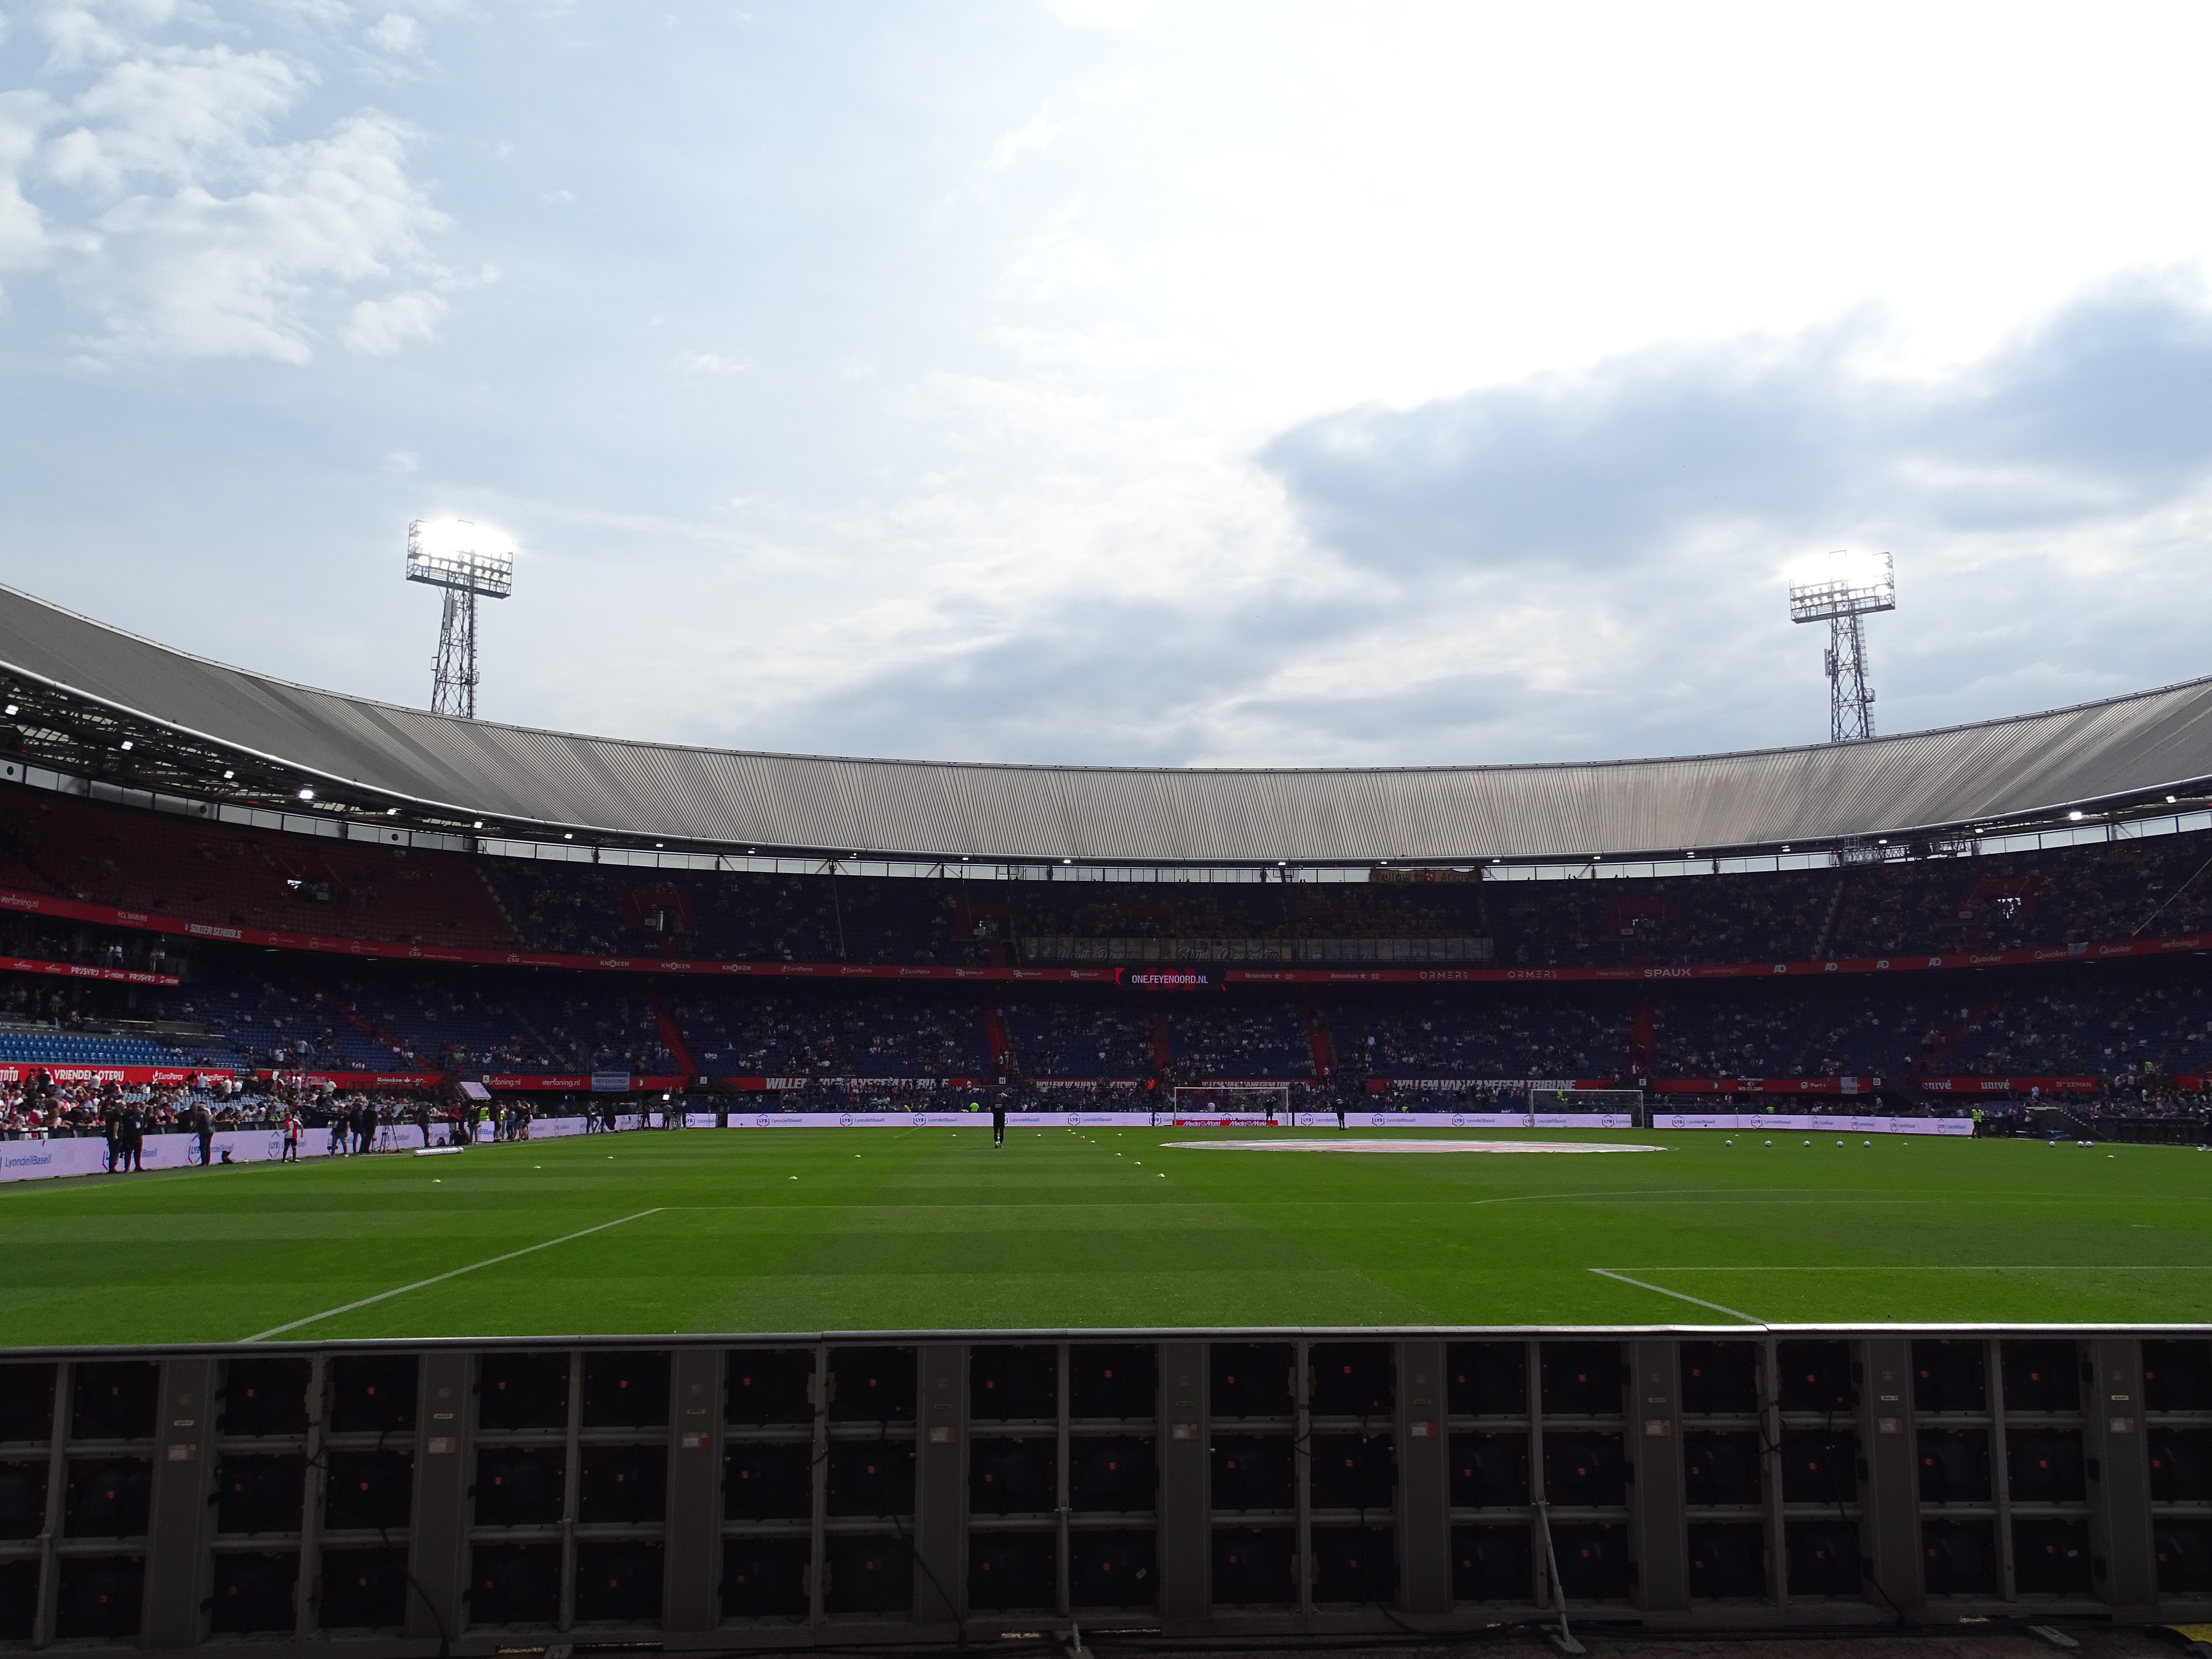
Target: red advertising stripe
point(130, 1076)
point(146, 921)
point(1891, 964)
point(80, 971)
point(44, 904)
point(1865, 1086)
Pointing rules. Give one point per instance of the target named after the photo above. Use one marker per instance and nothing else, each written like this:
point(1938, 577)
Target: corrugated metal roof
point(515, 775)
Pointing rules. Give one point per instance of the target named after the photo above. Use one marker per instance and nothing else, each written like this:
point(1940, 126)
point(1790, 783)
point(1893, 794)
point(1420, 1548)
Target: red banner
point(1863, 1085)
point(130, 1076)
point(1901, 962)
point(44, 904)
point(544, 1083)
point(80, 971)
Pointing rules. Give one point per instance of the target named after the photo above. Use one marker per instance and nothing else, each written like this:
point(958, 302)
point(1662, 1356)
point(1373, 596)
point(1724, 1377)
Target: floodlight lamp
point(126, 743)
point(229, 774)
point(479, 824)
point(2169, 800)
point(11, 708)
point(456, 554)
point(307, 794)
point(1844, 585)
point(2074, 816)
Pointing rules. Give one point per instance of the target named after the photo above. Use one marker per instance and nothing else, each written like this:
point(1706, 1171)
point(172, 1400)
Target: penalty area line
point(1608, 1273)
point(439, 1278)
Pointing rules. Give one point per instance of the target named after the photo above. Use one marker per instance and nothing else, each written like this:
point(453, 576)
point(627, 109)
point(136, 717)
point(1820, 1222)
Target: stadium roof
point(2123, 750)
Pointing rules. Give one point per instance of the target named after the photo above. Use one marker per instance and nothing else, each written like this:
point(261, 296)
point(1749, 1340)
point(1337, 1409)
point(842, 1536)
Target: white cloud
point(186, 222)
point(22, 228)
point(80, 32)
point(172, 116)
point(380, 327)
point(1032, 137)
point(717, 363)
point(200, 274)
point(395, 32)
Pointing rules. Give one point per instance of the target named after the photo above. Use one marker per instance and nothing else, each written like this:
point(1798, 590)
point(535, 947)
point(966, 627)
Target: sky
point(1104, 382)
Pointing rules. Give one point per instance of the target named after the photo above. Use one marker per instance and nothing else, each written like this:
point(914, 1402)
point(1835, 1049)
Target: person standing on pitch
point(134, 1139)
point(291, 1134)
point(203, 1127)
point(999, 1120)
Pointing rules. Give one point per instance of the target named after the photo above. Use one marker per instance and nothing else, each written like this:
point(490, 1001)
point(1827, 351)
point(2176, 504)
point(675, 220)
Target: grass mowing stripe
point(1608, 1273)
point(439, 1278)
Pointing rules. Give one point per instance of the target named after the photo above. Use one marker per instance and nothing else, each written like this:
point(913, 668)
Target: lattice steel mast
point(1840, 601)
point(447, 556)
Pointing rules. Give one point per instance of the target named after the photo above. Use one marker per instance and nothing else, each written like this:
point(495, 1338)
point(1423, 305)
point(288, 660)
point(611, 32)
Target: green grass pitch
point(799, 1230)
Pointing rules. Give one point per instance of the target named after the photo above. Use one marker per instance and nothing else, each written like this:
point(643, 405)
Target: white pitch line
point(492, 1261)
point(1961, 1267)
point(1608, 1273)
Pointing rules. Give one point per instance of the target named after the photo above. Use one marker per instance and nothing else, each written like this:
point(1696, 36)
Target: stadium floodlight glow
point(1840, 590)
point(469, 565)
point(2076, 816)
point(11, 708)
point(125, 743)
point(307, 794)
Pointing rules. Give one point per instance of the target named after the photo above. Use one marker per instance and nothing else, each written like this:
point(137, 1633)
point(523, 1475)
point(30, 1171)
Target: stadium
point(1815, 1097)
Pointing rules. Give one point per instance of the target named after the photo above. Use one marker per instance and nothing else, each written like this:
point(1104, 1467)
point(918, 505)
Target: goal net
point(1232, 1103)
point(1625, 1102)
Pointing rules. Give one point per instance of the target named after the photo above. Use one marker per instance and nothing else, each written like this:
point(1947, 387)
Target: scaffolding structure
point(447, 556)
point(1841, 600)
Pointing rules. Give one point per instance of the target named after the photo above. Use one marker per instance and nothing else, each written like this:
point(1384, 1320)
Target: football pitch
point(806, 1230)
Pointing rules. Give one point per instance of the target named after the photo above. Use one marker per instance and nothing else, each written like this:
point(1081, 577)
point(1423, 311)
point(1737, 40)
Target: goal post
point(1228, 1101)
point(1590, 1102)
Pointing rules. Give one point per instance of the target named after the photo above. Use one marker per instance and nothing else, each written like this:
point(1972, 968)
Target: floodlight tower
point(1860, 589)
point(448, 555)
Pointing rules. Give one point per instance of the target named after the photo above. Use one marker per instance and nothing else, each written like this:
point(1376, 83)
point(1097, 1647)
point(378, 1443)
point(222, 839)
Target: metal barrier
point(857, 1489)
